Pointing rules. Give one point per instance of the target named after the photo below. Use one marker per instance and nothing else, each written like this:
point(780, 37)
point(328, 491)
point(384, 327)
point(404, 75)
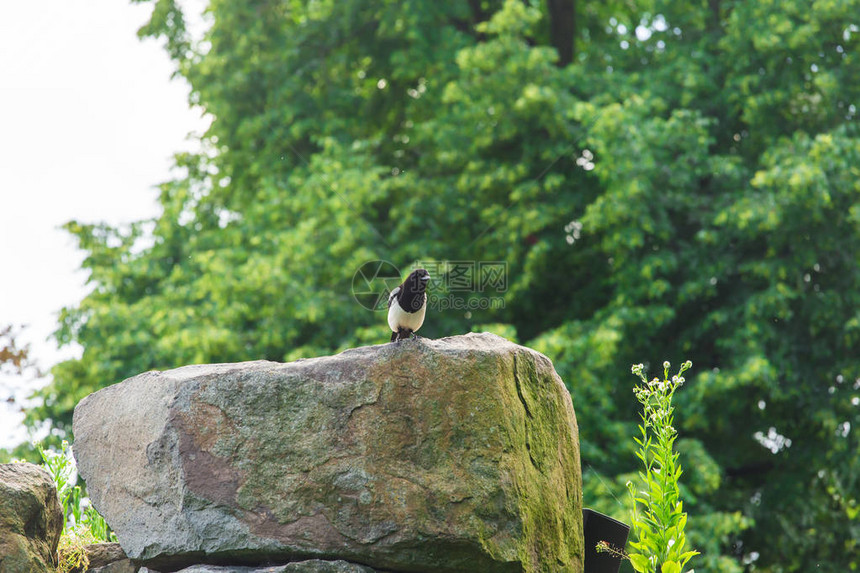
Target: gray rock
point(309, 566)
point(31, 519)
point(102, 554)
point(121, 566)
point(106, 558)
point(421, 456)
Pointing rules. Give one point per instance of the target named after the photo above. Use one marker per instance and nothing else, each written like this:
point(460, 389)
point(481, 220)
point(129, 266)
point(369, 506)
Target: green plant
point(80, 519)
point(72, 552)
point(97, 525)
point(658, 516)
point(61, 466)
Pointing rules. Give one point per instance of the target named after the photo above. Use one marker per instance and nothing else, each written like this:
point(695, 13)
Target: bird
point(407, 304)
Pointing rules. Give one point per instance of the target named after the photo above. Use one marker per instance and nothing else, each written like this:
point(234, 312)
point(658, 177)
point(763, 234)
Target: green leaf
point(640, 563)
point(686, 556)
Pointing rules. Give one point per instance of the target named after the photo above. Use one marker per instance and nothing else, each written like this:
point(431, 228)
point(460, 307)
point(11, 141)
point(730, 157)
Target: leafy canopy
point(662, 179)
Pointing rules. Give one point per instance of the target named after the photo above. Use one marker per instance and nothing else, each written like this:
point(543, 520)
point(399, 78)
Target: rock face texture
point(450, 455)
point(30, 519)
point(309, 566)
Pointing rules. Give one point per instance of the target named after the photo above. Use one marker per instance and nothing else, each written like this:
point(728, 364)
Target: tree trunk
point(562, 28)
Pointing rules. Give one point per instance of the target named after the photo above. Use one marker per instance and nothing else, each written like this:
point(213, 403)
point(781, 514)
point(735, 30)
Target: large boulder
point(419, 456)
point(31, 519)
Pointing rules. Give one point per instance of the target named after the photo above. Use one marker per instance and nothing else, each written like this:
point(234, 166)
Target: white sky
point(89, 120)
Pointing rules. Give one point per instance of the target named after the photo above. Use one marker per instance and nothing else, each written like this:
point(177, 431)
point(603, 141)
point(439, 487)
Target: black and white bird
point(407, 304)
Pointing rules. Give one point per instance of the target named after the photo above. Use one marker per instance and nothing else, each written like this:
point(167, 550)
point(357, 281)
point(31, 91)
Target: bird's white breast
point(399, 318)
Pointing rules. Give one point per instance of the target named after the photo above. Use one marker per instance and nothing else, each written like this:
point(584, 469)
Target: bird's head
point(417, 280)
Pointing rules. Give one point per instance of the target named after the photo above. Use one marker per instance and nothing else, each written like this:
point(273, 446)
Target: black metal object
point(598, 527)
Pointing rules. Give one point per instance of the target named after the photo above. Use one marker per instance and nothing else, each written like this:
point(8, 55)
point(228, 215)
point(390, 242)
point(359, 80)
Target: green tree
point(662, 179)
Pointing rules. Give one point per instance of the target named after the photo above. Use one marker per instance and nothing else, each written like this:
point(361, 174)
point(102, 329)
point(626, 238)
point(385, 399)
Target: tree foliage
point(14, 358)
point(663, 179)
point(15, 364)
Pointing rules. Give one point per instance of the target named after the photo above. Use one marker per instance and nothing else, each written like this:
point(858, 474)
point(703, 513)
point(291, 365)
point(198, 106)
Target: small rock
point(121, 566)
point(101, 554)
point(31, 519)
